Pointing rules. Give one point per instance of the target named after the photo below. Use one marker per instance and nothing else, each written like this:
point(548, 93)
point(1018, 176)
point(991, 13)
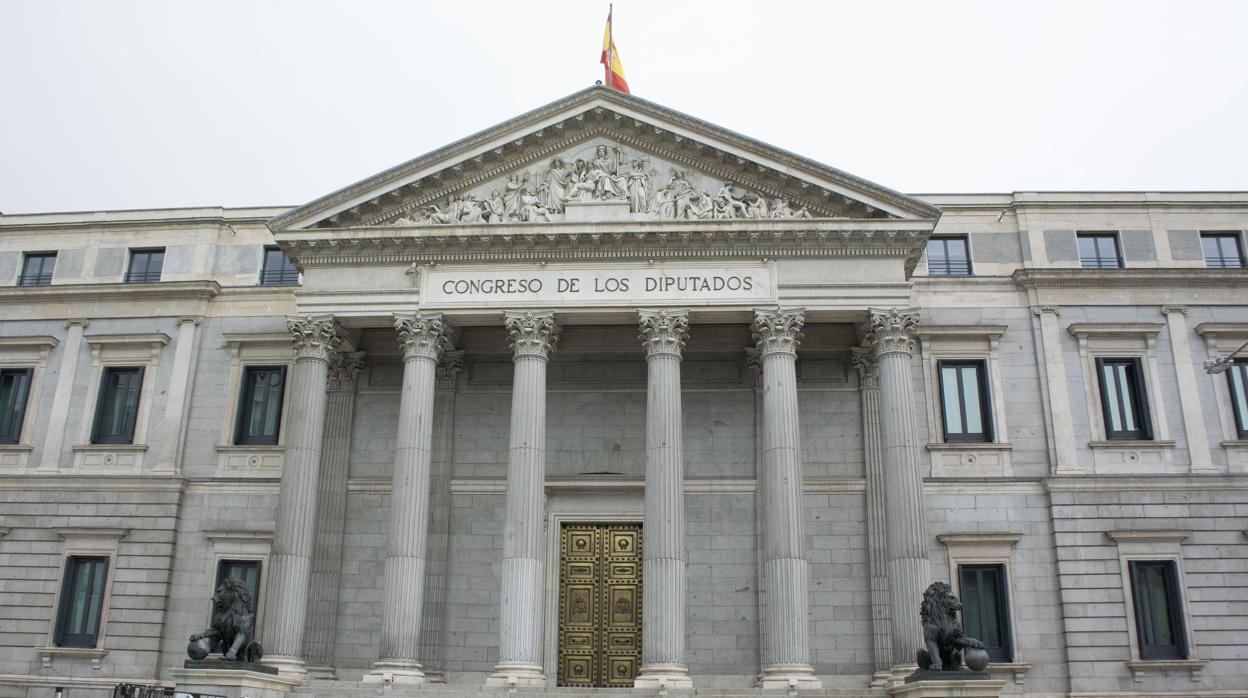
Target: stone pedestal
point(231, 683)
point(596, 211)
point(949, 687)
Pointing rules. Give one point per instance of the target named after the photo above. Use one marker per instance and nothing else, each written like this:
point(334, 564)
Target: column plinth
point(533, 336)
point(423, 336)
point(290, 565)
point(908, 566)
point(786, 650)
point(663, 334)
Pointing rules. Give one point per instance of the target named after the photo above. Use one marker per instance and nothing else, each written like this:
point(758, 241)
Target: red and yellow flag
point(611, 60)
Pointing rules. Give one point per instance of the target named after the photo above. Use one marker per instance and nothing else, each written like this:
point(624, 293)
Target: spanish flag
point(611, 60)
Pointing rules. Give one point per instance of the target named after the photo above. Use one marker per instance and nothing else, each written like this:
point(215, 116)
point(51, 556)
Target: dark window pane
point(1099, 251)
point(985, 608)
point(948, 256)
point(37, 269)
point(278, 270)
point(1124, 405)
point(145, 265)
point(1237, 376)
point(1158, 609)
point(260, 405)
point(964, 403)
point(82, 601)
point(1222, 250)
point(14, 390)
point(118, 406)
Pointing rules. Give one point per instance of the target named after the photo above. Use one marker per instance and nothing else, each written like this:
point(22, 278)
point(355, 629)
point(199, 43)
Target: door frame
point(581, 507)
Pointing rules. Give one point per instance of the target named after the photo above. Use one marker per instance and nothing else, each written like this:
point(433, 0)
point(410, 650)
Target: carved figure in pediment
point(582, 184)
point(494, 207)
point(412, 218)
point(731, 202)
point(559, 185)
point(604, 173)
point(450, 215)
point(702, 206)
point(472, 210)
point(532, 206)
point(675, 198)
point(638, 187)
point(511, 195)
point(756, 208)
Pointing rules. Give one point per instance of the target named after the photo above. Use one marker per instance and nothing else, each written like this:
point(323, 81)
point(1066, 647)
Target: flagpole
point(606, 78)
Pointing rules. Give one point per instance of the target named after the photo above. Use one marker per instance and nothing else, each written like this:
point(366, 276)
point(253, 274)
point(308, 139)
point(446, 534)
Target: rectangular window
point(14, 390)
point(245, 571)
point(1123, 400)
point(278, 269)
point(1158, 609)
point(117, 408)
point(260, 407)
point(1222, 250)
point(986, 609)
point(82, 601)
point(1099, 251)
point(145, 265)
point(948, 256)
point(37, 269)
point(964, 402)
point(1237, 375)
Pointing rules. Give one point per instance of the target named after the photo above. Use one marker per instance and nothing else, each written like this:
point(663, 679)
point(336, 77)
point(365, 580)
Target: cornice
point(1222, 329)
point(38, 342)
point(774, 239)
point(1115, 329)
point(585, 109)
point(94, 293)
point(1130, 278)
point(952, 331)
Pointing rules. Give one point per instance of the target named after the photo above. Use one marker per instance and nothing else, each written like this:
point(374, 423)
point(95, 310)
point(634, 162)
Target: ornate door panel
point(599, 605)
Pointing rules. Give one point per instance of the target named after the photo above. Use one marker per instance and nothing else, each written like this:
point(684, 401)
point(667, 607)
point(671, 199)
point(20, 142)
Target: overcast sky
point(113, 105)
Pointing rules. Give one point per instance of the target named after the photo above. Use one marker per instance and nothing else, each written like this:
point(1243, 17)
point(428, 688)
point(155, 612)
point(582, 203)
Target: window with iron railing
point(37, 269)
point(145, 265)
point(1222, 250)
point(948, 256)
point(278, 269)
point(1099, 251)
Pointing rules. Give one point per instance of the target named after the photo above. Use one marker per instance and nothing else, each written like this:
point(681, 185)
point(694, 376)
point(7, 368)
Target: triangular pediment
point(602, 155)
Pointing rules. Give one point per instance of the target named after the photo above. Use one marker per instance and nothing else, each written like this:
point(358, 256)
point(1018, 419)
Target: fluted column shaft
point(423, 336)
point(909, 569)
point(786, 655)
point(331, 512)
point(877, 538)
point(314, 337)
point(533, 336)
point(663, 334)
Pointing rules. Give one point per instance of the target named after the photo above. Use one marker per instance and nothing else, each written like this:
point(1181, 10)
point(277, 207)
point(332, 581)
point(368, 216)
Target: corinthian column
point(663, 334)
point(315, 338)
point(533, 337)
point(909, 570)
point(424, 336)
point(786, 653)
point(877, 541)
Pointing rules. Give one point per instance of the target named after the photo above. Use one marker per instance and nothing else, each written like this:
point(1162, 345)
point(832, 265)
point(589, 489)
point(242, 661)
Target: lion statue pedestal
point(947, 647)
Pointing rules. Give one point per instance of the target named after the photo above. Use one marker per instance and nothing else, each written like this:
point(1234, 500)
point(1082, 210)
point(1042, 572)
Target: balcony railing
point(279, 277)
point(142, 277)
point(35, 280)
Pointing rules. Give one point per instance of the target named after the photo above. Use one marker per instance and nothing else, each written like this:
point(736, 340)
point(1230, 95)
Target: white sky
point(162, 104)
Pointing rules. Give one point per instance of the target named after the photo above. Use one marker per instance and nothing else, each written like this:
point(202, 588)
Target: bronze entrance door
point(599, 604)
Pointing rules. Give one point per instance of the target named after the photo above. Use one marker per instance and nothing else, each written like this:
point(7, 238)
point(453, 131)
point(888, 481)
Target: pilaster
point(423, 337)
point(533, 336)
point(1189, 394)
point(877, 539)
point(314, 339)
point(786, 654)
point(663, 335)
point(892, 339)
point(54, 439)
point(1065, 458)
point(178, 398)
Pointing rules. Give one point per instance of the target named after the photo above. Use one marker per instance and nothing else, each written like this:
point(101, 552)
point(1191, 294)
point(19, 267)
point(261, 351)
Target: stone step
point(356, 689)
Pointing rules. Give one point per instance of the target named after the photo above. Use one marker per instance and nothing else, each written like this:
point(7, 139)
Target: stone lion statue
point(942, 632)
point(233, 625)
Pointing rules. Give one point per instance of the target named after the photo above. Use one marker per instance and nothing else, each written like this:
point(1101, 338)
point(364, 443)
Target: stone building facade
point(607, 395)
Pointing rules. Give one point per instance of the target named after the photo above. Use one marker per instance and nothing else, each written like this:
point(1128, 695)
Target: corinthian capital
point(532, 334)
point(344, 369)
point(424, 335)
point(314, 336)
point(778, 331)
point(892, 331)
point(664, 331)
point(868, 367)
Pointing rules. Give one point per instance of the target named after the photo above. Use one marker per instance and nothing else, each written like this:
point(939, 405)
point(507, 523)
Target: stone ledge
point(1132, 444)
point(1139, 667)
point(970, 446)
point(1019, 669)
point(47, 654)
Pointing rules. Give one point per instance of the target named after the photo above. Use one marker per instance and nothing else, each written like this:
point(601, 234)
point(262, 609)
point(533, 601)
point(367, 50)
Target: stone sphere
point(976, 659)
point(198, 649)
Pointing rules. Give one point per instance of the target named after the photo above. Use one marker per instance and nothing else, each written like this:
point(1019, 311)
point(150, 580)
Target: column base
point(287, 667)
point(663, 677)
point(517, 675)
point(795, 677)
point(988, 688)
point(326, 673)
point(388, 672)
point(231, 683)
point(881, 678)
